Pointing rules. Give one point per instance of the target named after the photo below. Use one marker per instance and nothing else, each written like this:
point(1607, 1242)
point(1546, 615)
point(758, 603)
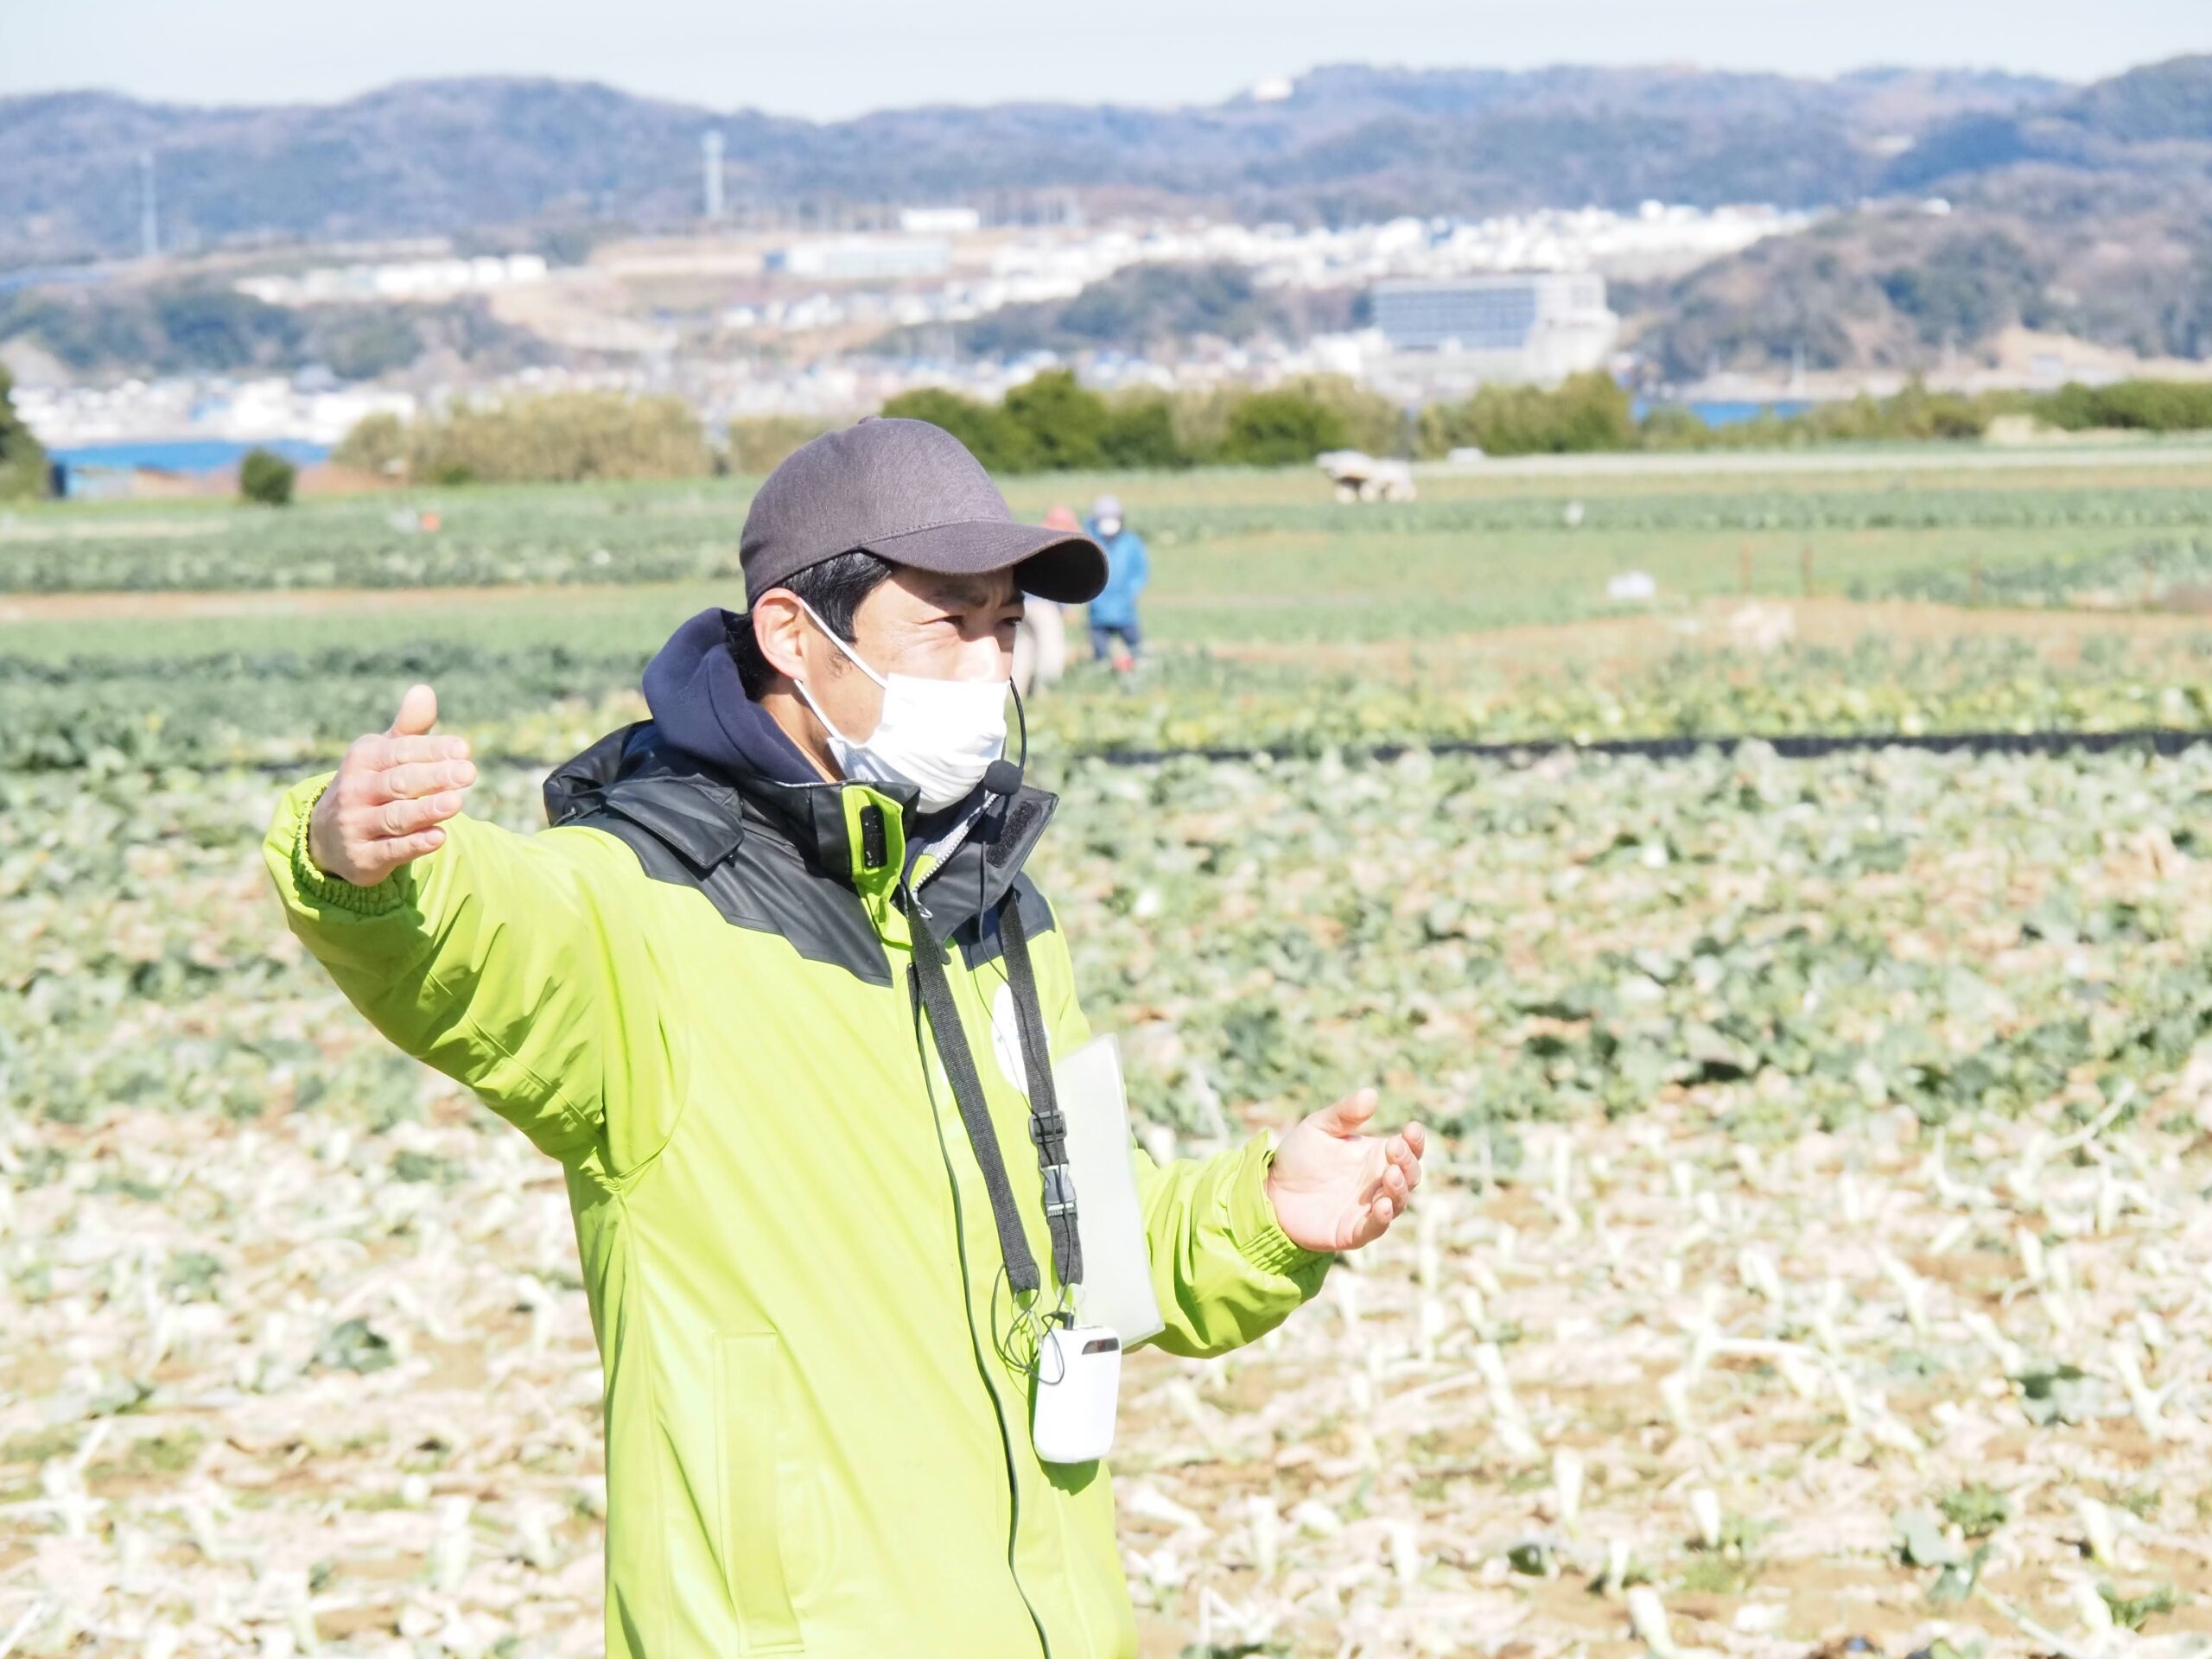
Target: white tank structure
point(1360, 477)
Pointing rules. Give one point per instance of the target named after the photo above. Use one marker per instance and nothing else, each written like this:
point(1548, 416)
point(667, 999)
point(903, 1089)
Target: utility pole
point(150, 221)
point(711, 163)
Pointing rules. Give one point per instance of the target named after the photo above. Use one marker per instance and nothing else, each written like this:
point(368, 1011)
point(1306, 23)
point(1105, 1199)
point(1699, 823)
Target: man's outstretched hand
point(392, 792)
point(1336, 1188)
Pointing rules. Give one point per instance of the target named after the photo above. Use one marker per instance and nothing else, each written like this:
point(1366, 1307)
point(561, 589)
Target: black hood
point(711, 768)
point(700, 707)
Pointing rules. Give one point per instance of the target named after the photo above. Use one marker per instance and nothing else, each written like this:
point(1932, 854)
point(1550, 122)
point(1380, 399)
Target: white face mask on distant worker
point(938, 735)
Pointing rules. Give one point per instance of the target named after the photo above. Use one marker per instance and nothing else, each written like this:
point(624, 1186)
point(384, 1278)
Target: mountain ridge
point(453, 156)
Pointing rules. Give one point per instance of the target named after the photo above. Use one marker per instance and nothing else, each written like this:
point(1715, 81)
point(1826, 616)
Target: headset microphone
point(1003, 777)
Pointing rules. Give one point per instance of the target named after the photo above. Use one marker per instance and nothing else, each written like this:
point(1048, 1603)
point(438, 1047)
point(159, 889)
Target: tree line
point(22, 462)
point(558, 437)
point(1052, 422)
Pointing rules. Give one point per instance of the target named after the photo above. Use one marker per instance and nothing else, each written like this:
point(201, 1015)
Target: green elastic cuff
point(1260, 1237)
point(394, 892)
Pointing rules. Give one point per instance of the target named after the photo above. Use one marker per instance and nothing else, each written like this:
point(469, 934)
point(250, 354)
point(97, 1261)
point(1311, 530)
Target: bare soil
point(1388, 1475)
point(1624, 640)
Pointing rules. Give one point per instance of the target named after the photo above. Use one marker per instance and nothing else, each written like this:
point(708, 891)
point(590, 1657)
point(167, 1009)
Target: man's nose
point(984, 658)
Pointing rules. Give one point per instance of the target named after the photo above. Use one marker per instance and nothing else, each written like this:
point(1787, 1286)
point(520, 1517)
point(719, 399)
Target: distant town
point(795, 322)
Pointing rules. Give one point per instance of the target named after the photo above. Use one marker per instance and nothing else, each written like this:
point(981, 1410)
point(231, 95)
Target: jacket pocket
point(748, 1413)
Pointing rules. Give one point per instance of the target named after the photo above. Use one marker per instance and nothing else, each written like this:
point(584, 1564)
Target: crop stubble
point(1805, 1118)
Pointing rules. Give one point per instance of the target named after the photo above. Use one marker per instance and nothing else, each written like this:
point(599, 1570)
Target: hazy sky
point(838, 59)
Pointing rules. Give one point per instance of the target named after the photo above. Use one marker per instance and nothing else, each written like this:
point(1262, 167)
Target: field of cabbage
point(196, 634)
point(1816, 1258)
point(524, 695)
point(1245, 555)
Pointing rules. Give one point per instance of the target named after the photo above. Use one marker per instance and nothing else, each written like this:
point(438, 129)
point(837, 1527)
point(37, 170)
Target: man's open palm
point(391, 793)
point(1336, 1188)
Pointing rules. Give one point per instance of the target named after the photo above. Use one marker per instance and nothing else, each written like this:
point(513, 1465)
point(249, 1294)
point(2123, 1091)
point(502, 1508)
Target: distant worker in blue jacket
point(1115, 635)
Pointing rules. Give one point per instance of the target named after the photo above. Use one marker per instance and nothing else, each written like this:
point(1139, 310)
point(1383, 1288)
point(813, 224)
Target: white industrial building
point(864, 258)
point(406, 281)
point(940, 221)
point(1534, 327)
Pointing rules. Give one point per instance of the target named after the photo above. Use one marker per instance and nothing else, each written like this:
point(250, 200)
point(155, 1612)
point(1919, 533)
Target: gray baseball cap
point(910, 492)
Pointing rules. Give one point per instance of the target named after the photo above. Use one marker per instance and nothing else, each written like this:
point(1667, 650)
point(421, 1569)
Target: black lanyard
point(1047, 1128)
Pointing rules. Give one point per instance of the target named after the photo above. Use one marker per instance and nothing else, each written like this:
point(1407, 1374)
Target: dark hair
point(833, 587)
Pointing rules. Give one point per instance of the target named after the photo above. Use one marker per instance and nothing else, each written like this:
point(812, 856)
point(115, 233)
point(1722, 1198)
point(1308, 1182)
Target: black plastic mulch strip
point(1802, 745)
point(1792, 747)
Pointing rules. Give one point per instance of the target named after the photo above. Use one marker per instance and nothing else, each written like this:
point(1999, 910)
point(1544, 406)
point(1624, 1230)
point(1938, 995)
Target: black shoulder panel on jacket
point(979, 938)
point(764, 886)
point(772, 856)
point(573, 789)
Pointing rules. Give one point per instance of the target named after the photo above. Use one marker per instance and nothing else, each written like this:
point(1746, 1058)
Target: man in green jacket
point(781, 1002)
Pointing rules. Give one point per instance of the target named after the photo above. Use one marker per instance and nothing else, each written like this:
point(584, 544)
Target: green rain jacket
point(693, 992)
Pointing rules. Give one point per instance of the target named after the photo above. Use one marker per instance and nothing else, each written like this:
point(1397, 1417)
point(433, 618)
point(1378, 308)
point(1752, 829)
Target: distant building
point(70, 480)
point(940, 221)
point(863, 258)
point(1538, 327)
point(417, 281)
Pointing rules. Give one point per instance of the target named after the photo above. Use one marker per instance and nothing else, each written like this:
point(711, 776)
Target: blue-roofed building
point(1534, 327)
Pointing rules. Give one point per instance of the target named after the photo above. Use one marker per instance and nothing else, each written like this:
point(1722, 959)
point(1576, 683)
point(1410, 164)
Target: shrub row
point(1051, 423)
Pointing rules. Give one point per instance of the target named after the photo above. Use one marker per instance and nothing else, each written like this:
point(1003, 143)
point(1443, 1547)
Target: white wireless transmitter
point(1078, 1380)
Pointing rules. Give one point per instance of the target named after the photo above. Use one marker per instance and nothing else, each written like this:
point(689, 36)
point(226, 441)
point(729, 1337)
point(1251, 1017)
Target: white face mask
point(938, 735)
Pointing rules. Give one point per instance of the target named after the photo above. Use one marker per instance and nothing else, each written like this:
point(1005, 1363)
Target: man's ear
point(780, 627)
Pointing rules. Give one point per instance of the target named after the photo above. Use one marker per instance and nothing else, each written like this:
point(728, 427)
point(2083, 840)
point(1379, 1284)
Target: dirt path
point(1924, 458)
point(1713, 623)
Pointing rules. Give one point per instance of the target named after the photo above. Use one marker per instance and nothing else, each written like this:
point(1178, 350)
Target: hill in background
point(2088, 215)
point(2084, 211)
point(456, 156)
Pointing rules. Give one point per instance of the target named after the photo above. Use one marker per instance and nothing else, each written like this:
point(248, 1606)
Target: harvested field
point(292, 1384)
point(1731, 1290)
point(1815, 1261)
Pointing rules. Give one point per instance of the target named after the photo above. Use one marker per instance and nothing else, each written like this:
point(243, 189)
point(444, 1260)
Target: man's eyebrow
point(975, 592)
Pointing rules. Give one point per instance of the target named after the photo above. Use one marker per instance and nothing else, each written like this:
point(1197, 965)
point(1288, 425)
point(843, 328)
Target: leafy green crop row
point(1745, 509)
point(2145, 574)
point(544, 702)
point(1779, 941)
point(574, 535)
point(615, 535)
point(1878, 687)
point(1811, 938)
point(277, 707)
